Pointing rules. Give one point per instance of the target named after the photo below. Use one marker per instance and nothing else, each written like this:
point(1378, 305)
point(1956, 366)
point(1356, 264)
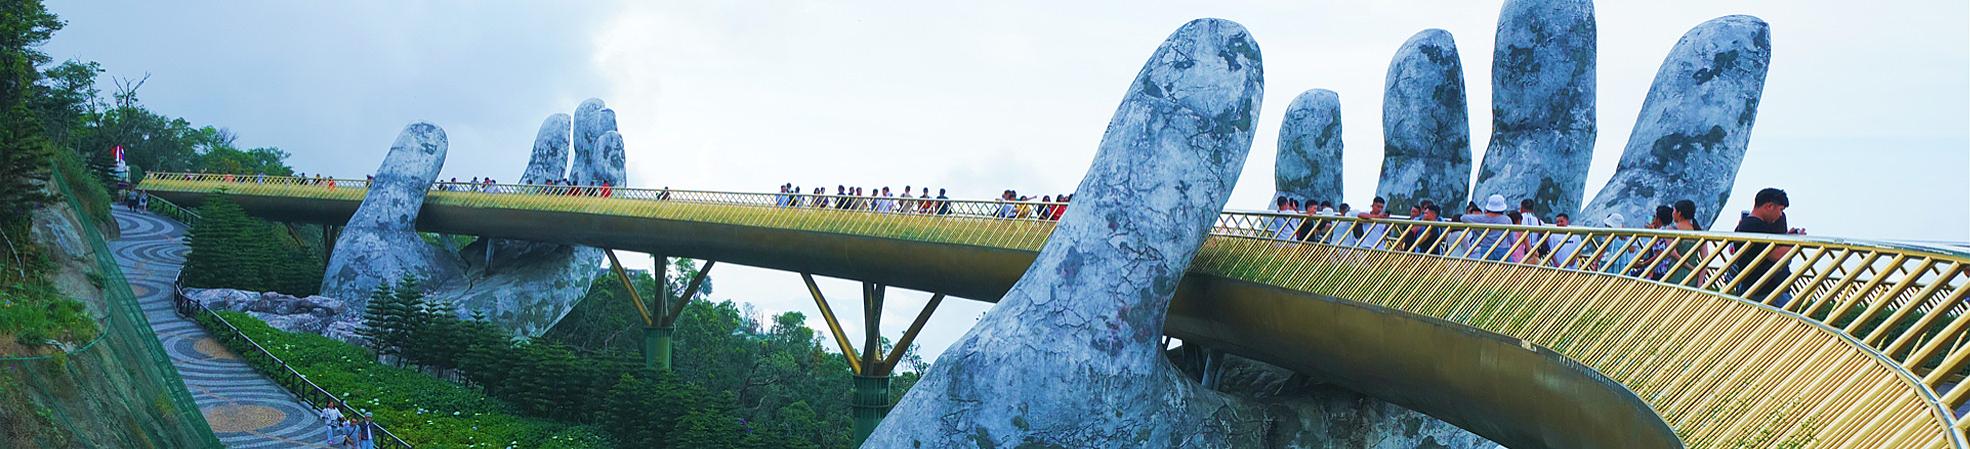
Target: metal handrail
point(1905, 303)
point(167, 208)
point(283, 375)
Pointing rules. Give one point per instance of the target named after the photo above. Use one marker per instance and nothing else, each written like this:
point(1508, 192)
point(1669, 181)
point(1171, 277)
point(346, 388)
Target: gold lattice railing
point(1736, 340)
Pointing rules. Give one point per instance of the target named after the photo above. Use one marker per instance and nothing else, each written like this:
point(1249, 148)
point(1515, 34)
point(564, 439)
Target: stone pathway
point(245, 409)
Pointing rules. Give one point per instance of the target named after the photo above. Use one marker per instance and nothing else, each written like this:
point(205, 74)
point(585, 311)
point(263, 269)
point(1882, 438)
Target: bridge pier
point(658, 325)
point(869, 402)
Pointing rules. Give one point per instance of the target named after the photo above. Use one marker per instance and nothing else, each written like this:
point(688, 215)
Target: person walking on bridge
point(1767, 217)
point(1487, 241)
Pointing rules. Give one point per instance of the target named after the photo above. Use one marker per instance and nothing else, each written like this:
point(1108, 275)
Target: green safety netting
point(139, 401)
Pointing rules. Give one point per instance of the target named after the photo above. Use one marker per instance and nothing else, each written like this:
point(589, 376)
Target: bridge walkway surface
point(245, 409)
point(1529, 336)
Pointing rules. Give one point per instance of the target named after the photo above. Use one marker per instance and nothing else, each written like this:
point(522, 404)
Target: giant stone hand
point(1070, 357)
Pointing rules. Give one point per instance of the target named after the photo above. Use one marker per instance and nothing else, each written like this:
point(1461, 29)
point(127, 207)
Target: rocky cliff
point(117, 392)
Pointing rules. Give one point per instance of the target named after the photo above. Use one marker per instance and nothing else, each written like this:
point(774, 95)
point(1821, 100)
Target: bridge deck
point(1572, 337)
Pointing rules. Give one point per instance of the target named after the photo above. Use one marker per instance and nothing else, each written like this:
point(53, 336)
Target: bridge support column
point(656, 331)
point(656, 347)
point(657, 325)
point(869, 402)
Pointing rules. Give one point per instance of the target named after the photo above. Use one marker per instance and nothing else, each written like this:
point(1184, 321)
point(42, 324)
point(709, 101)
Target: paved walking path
point(245, 409)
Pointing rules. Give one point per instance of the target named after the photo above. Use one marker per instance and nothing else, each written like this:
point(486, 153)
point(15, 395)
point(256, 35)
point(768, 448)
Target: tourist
point(1290, 224)
point(1422, 237)
point(1616, 253)
point(331, 416)
point(1310, 228)
point(1488, 240)
point(1767, 217)
point(1275, 227)
point(909, 203)
point(607, 190)
point(1662, 217)
point(1530, 218)
point(1370, 235)
point(1563, 251)
point(365, 433)
point(1376, 209)
point(1682, 259)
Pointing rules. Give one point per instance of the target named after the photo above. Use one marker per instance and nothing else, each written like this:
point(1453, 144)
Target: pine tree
point(376, 321)
point(485, 361)
point(214, 261)
point(713, 426)
point(403, 318)
point(25, 152)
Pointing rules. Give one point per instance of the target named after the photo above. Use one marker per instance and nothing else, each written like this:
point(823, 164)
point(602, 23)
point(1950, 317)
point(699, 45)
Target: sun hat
point(1613, 220)
point(1494, 203)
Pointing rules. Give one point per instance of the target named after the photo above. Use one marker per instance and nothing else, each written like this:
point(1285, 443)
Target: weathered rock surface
point(380, 245)
point(1308, 167)
point(1308, 413)
point(525, 287)
point(318, 315)
point(1695, 125)
point(1069, 357)
point(1425, 125)
point(593, 164)
point(550, 156)
point(1542, 105)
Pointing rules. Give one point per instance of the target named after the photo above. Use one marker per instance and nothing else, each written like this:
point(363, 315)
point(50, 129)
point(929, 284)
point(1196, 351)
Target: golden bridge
point(1575, 337)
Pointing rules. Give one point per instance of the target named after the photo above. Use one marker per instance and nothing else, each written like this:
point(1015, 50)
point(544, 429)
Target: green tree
point(230, 249)
point(714, 425)
point(484, 361)
point(377, 320)
point(25, 150)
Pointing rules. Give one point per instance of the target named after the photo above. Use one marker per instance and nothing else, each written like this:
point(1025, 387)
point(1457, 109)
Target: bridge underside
point(1503, 388)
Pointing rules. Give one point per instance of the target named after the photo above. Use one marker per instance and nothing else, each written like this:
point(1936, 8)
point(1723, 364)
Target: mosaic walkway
point(245, 410)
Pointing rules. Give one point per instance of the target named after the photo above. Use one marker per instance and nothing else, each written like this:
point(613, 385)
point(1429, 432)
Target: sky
point(1865, 118)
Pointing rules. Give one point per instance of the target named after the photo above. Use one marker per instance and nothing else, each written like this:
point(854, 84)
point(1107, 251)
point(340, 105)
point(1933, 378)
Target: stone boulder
point(1426, 129)
point(1069, 357)
point(318, 315)
point(380, 243)
point(1542, 105)
point(1695, 125)
point(1308, 167)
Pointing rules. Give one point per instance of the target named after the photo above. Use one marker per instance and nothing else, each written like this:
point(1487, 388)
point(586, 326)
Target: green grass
point(33, 311)
point(426, 411)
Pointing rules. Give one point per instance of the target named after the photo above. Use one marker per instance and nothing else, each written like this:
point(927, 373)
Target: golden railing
point(1833, 343)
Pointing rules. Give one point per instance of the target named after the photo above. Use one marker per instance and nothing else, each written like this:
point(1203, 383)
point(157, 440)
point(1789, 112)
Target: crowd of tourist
point(1670, 260)
point(347, 432)
point(914, 201)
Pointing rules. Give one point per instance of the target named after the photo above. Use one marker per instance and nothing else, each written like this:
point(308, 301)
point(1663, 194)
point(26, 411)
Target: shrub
point(423, 410)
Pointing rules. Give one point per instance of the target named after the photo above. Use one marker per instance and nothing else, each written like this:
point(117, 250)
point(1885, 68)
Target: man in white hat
point(1487, 245)
point(1617, 254)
